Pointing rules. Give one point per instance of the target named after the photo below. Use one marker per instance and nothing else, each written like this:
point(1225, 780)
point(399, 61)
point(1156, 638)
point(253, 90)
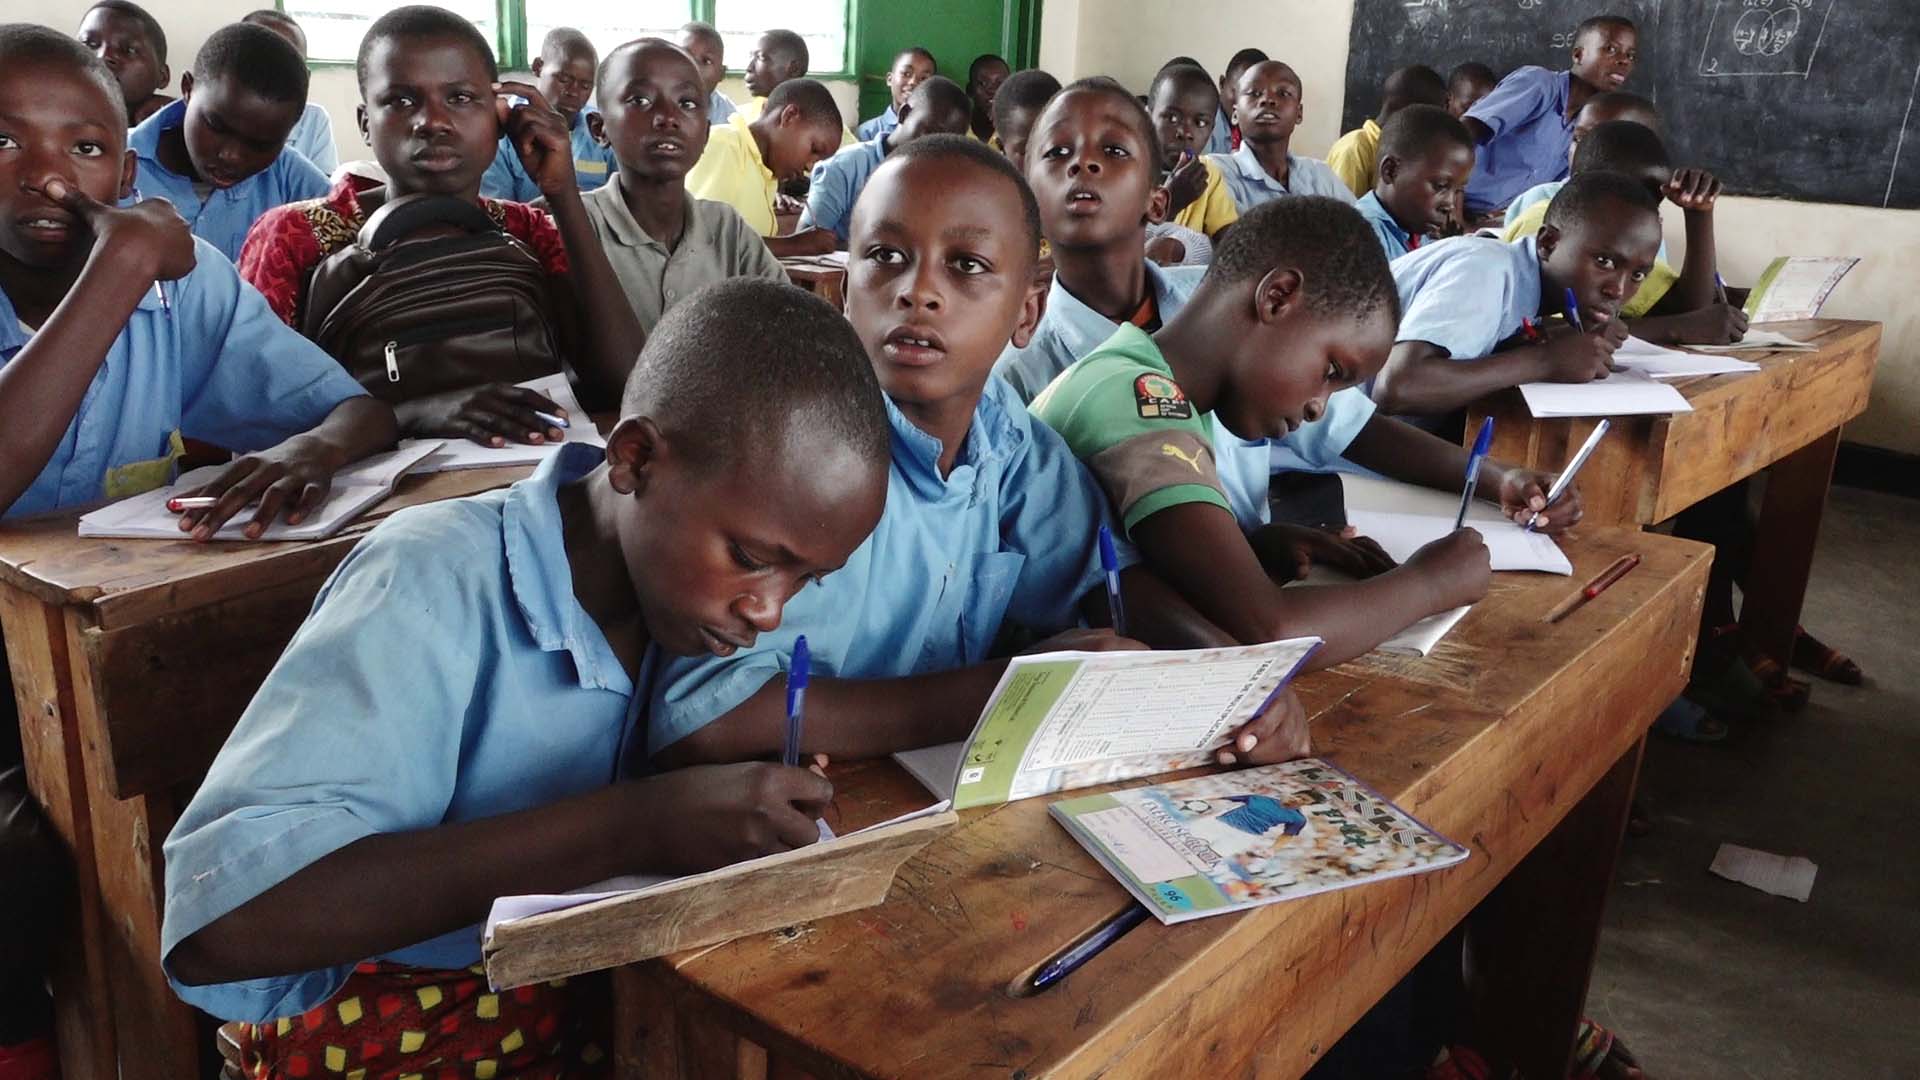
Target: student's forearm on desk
point(1421, 378)
point(1157, 614)
point(614, 336)
point(356, 427)
point(1200, 550)
point(846, 718)
point(42, 387)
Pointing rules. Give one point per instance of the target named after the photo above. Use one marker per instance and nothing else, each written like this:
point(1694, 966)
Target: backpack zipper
point(393, 361)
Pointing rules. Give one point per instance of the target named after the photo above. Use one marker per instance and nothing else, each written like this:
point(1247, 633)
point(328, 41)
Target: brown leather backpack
point(433, 296)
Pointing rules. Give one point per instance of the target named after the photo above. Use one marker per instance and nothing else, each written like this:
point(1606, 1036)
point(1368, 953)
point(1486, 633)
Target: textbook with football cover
point(1235, 840)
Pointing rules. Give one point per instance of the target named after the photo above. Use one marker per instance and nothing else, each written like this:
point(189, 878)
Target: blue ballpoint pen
point(1071, 960)
point(1573, 312)
point(1110, 565)
point(1480, 444)
point(796, 699)
point(159, 287)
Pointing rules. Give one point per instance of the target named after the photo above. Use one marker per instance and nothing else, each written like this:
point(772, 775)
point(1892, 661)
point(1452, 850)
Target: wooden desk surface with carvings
point(1491, 740)
point(1650, 468)
point(132, 659)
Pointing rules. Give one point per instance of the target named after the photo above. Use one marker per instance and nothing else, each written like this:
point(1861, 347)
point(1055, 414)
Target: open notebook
point(1416, 640)
point(1623, 393)
point(1659, 362)
point(455, 454)
point(1402, 518)
point(355, 490)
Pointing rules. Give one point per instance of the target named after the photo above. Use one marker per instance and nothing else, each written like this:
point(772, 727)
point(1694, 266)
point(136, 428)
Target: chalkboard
point(1803, 99)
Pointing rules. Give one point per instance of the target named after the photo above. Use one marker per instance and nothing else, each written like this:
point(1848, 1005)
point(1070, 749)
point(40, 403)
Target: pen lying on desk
point(1070, 960)
point(1620, 568)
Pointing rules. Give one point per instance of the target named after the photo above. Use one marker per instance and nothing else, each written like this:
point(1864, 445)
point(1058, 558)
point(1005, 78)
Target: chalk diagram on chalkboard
point(1764, 37)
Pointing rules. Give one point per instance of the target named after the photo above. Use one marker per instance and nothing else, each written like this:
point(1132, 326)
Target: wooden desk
point(1518, 738)
point(828, 283)
point(132, 659)
point(1785, 419)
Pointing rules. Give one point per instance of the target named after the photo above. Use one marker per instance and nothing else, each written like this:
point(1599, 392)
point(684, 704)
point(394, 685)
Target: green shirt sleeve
point(1134, 427)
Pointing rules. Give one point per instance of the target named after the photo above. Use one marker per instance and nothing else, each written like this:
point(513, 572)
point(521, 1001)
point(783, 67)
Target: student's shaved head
point(787, 47)
point(1416, 130)
point(941, 97)
point(810, 96)
point(961, 151)
point(563, 42)
point(1590, 195)
point(25, 44)
point(1414, 85)
point(1028, 89)
point(1343, 269)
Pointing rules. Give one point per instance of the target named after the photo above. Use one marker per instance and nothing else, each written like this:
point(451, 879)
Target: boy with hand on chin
point(663, 243)
point(457, 719)
point(1182, 102)
point(990, 524)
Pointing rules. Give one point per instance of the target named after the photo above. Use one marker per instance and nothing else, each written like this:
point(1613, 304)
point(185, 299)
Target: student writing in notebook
point(120, 332)
point(747, 159)
point(990, 531)
point(458, 717)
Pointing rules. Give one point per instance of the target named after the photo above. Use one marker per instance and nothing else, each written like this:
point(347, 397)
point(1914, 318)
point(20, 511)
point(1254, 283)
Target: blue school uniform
point(1069, 330)
point(1394, 240)
point(878, 126)
point(312, 135)
point(1466, 294)
point(1527, 113)
point(218, 367)
point(507, 179)
point(1251, 185)
point(719, 107)
point(1221, 140)
point(446, 673)
point(224, 216)
point(1010, 535)
point(836, 185)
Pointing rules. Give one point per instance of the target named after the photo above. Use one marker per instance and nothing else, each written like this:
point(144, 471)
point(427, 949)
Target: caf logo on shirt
point(1160, 398)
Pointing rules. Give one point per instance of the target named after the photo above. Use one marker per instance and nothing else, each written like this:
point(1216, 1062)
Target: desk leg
point(1783, 555)
point(1532, 941)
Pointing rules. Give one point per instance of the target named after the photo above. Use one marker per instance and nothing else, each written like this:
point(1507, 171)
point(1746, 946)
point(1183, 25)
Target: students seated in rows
point(1267, 108)
point(1016, 107)
point(709, 52)
point(779, 56)
point(564, 71)
point(1355, 154)
point(312, 134)
point(133, 45)
point(457, 718)
point(121, 332)
point(984, 77)
point(912, 67)
point(1472, 303)
point(1226, 130)
point(937, 106)
point(220, 153)
point(663, 243)
point(433, 118)
point(1183, 101)
point(1102, 283)
point(1523, 127)
point(1600, 109)
point(1681, 307)
point(1425, 157)
point(990, 529)
point(746, 160)
point(1466, 84)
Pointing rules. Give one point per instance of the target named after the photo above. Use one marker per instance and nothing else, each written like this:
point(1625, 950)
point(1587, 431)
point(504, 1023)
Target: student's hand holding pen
point(293, 478)
point(492, 415)
point(1522, 492)
point(704, 816)
point(1281, 733)
point(1587, 355)
point(1455, 568)
point(150, 236)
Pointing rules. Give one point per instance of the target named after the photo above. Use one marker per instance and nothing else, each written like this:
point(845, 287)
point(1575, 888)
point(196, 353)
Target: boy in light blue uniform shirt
point(1423, 161)
point(990, 525)
point(912, 67)
point(1268, 108)
point(1221, 140)
point(220, 153)
point(564, 74)
point(1523, 129)
point(312, 134)
point(937, 106)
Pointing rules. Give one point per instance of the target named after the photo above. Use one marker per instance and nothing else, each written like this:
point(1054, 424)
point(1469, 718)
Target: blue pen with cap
point(1480, 445)
point(1110, 565)
point(796, 699)
point(1573, 312)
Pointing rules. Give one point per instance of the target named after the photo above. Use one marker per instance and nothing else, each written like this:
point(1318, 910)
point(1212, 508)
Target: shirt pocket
point(135, 477)
point(986, 588)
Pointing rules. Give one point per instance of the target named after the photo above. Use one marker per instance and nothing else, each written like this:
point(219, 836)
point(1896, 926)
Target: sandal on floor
point(1811, 655)
point(1689, 722)
point(1783, 690)
point(1459, 1063)
point(1598, 1054)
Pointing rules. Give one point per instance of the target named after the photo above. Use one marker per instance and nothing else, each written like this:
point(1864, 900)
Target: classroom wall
point(1130, 39)
point(333, 86)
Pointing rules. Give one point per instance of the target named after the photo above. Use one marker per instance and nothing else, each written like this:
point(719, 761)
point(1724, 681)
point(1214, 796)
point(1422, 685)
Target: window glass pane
point(823, 23)
point(608, 24)
point(334, 27)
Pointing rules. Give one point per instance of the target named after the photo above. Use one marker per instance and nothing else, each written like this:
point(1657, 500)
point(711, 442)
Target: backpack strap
point(409, 214)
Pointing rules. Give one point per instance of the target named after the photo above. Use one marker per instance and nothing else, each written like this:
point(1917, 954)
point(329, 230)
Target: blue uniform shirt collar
point(1251, 169)
point(991, 436)
point(540, 576)
point(1079, 328)
point(1373, 208)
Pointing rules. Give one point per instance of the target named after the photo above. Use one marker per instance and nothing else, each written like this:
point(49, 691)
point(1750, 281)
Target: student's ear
point(538, 63)
point(635, 445)
point(1277, 295)
point(1032, 306)
point(186, 85)
point(1157, 204)
point(129, 172)
point(1546, 240)
point(360, 121)
point(905, 108)
point(1389, 168)
point(166, 76)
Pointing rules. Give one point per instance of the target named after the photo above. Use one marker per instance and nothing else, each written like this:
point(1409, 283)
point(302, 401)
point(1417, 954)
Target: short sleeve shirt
point(1466, 294)
point(836, 185)
point(878, 126)
point(1251, 186)
point(1394, 240)
point(1354, 157)
point(731, 171)
point(1527, 113)
point(1122, 413)
point(1214, 209)
point(716, 244)
point(223, 217)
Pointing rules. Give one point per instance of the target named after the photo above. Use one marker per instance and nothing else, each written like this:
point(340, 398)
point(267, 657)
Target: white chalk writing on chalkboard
point(1901, 144)
point(1764, 37)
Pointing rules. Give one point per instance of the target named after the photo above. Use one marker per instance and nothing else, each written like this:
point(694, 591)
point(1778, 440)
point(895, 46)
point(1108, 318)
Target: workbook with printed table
point(1066, 720)
point(1796, 286)
point(1241, 839)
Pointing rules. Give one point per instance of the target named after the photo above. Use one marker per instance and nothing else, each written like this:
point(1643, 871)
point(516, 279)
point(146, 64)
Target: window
point(334, 27)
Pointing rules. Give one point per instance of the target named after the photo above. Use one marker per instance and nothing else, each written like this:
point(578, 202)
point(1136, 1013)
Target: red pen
point(1620, 568)
point(1532, 332)
point(181, 504)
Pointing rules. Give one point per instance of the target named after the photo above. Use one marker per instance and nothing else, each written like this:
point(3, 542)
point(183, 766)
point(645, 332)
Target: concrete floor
point(1708, 979)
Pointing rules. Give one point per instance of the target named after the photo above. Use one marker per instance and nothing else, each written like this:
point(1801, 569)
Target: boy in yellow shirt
point(746, 160)
point(1183, 102)
point(779, 56)
point(1355, 154)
